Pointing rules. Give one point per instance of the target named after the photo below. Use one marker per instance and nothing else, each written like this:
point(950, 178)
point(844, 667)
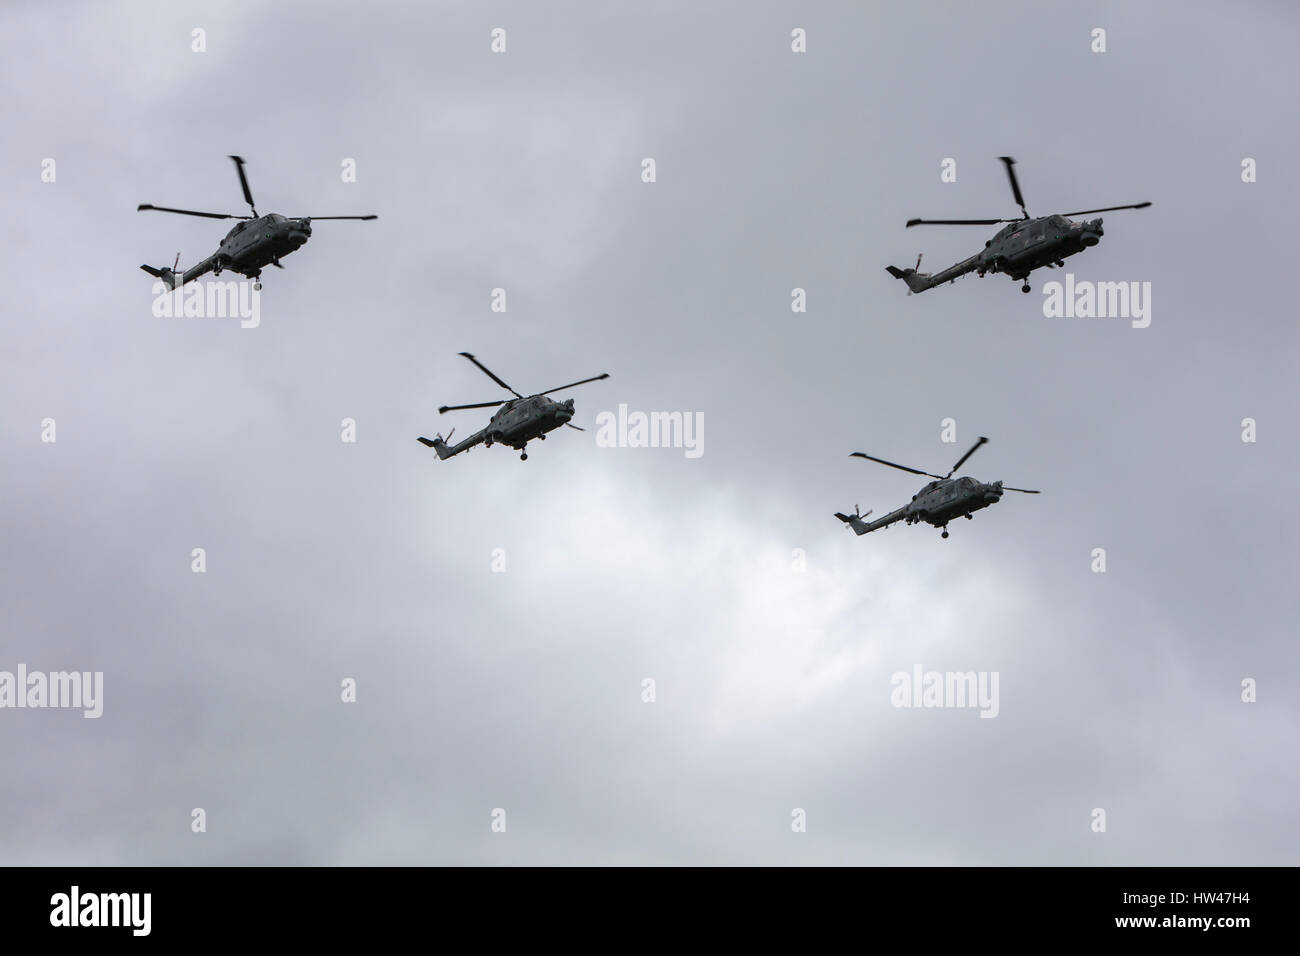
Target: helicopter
point(939, 502)
point(252, 245)
point(516, 423)
point(1018, 249)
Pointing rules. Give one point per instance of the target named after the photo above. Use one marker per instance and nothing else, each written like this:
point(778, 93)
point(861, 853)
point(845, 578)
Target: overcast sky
point(523, 690)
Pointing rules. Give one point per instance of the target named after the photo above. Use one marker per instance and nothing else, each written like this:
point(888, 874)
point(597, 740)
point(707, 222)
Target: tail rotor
point(854, 521)
point(168, 276)
point(439, 444)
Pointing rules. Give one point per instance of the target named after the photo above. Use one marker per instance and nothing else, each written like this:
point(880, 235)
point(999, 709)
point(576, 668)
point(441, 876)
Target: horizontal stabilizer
point(855, 522)
point(164, 273)
point(916, 281)
point(444, 450)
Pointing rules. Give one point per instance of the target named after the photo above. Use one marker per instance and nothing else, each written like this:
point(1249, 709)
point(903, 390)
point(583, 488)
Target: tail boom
point(920, 281)
point(173, 279)
point(444, 450)
point(861, 527)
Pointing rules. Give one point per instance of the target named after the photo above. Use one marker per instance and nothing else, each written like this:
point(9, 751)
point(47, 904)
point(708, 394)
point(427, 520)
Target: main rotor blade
point(313, 218)
point(189, 212)
point(558, 388)
point(243, 181)
point(858, 454)
point(1084, 212)
point(956, 222)
point(1015, 186)
point(575, 427)
point(1025, 490)
point(455, 408)
point(489, 373)
point(962, 460)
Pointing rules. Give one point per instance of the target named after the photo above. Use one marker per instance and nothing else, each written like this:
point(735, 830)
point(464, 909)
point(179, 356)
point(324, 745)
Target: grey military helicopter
point(519, 420)
point(1019, 248)
point(939, 502)
point(252, 245)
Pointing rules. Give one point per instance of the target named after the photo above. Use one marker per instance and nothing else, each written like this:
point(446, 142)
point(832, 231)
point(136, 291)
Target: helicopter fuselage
point(1017, 250)
point(939, 502)
point(936, 504)
point(1021, 247)
point(942, 501)
point(256, 243)
point(516, 421)
point(514, 425)
point(521, 420)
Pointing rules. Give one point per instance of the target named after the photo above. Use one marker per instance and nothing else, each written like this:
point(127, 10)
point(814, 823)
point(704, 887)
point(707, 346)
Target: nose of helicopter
point(563, 411)
point(1092, 233)
point(993, 492)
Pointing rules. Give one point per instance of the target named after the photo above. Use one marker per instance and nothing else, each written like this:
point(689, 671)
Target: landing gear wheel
point(970, 517)
point(524, 456)
point(944, 535)
point(1025, 287)
point(257, 285)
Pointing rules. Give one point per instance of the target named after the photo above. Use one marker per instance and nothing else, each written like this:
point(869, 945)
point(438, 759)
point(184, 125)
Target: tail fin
point(855, 521)
point(167, 275)
point(916, 281)
point(437, 444)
